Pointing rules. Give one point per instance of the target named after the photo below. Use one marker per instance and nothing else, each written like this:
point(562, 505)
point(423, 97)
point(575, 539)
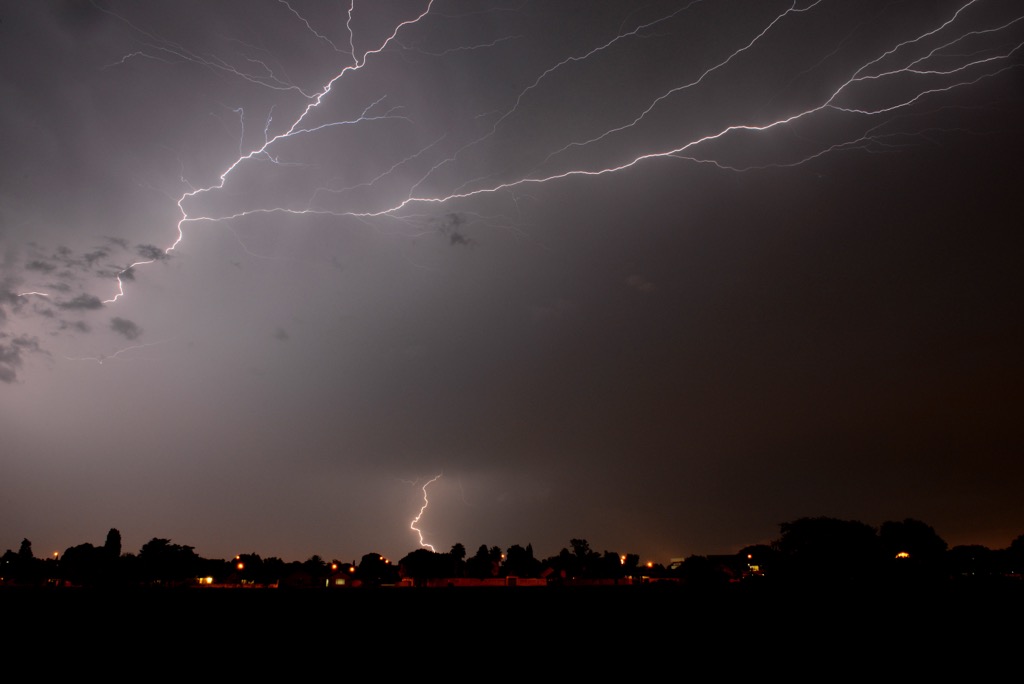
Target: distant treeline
point(807, 550)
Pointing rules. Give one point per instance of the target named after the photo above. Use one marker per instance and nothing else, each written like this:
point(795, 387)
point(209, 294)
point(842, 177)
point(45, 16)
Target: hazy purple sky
point(796, 291)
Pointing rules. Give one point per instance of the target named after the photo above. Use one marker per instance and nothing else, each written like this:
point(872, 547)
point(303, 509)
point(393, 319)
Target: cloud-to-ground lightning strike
point(416, 521)
point(863, 98)
point(510, 241)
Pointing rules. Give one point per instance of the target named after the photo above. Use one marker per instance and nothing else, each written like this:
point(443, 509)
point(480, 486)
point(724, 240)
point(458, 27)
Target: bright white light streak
point(416, 520)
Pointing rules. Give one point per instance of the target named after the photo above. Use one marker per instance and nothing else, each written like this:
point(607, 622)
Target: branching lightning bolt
point(829, 104)
point(262, 150)
point(882, 84)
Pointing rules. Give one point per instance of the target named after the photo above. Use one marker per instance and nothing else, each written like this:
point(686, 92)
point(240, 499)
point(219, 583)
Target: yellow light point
point(240, 566)
point(903, 554)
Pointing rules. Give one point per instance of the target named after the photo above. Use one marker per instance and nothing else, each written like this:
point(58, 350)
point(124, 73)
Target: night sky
point(658, 275)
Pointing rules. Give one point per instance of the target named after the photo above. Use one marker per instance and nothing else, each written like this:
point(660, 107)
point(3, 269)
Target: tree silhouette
point(112, 546)
point(82, 565)
point(22, 567)
point(911, 547)
point(581, 548)
point(166, 563)
point(519, 562)
point(827, 548)
point(374, 570)
point(458, 555)
point(424, 564)
point(971, 560)
point(701, 571)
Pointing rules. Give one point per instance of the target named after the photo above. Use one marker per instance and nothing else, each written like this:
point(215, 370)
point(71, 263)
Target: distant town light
point(903, 554)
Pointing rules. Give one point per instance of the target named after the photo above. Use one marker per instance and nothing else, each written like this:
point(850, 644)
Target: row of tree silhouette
point(808, 549)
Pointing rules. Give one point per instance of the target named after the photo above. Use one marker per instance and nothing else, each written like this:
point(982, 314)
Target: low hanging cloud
point(450, 227)
point(152, 252)
point(10, 297)
point(80, 326)
point(82, 301)
point(41, 266)
point(92, 257)
point(123, 326)
point(11, 350)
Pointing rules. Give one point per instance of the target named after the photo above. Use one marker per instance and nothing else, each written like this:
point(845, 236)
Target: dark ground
point(967, 627)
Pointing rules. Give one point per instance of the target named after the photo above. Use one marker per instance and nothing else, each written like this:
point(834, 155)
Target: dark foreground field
point(913, 629)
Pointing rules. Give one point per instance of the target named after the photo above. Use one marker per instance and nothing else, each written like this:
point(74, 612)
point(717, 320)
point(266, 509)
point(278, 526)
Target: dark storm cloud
point(11, 350)
point(113, 272)
point(82, 301)
point(123, 326)
point(151, 252)
point(677, 354)
point(95, 255)
point(9, 296)
point(77, 326)
point(68, 260)
point(41, 266)
point(450, 227)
